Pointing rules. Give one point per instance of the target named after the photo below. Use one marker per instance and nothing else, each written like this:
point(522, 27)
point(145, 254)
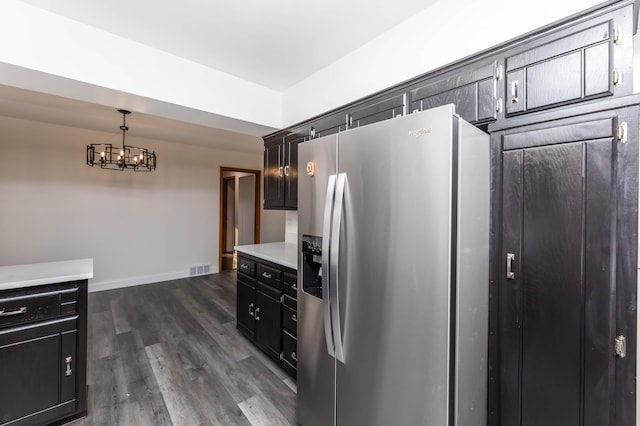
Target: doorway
point(239, 212)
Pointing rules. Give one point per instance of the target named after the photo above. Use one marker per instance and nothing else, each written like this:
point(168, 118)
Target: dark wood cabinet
point(471, 89)
point(378, 109)
point(268, 316)
point(586, 61)
point(246, 304)
point(43, 353)
point(563, 258)
point(266, 307)
point(281, 171)
point(273, 174)
point(329, 125)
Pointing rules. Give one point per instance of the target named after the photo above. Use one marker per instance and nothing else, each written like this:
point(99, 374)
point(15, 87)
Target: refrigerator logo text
point(419, 132)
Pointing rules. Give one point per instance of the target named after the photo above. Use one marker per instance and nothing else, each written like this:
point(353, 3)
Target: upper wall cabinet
point(378, 109)
point(281, 170)
point(585, 61)
point(328, 125)
point(472, 90)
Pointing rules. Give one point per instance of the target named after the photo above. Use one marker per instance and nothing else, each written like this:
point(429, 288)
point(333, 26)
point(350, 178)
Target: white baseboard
point(95, 286)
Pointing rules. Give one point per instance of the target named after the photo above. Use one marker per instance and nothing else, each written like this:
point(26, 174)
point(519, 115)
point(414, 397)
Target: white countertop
point(285, 254)
point(18, 276)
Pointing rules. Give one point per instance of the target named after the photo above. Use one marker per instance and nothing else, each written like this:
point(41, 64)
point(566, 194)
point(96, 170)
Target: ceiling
point(274, 43)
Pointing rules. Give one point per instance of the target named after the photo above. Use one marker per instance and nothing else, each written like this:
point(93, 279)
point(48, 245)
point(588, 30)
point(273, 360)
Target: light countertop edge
point(33, 274)
point(285, 254)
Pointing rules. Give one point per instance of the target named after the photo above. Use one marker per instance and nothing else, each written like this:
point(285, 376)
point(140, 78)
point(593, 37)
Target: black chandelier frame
point(121, 158)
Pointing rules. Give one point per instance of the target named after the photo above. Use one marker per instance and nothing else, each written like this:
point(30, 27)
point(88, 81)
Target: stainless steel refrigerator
point(393, 229)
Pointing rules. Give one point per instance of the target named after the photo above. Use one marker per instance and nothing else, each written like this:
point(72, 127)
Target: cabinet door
point(273, 175)
point(472, 90)
point(291, 142)
point(572, 65)
point(245, 306)
point(328, 125)
point(557, 291)
point(268, 321)
point(33, 374)
point(391, 106)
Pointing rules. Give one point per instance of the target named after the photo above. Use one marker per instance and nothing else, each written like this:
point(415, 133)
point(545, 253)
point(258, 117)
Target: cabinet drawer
point(290, 320)
point(291, 284)
point(270, 276)
point(269, 291)
point(289, 348)
point(246, 266)
point(28, 308)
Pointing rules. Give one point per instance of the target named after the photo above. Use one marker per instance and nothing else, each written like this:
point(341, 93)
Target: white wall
point(442, 33)
point(138, 227)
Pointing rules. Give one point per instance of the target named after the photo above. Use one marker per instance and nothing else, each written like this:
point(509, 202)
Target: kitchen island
point(267, 297)
point(43, 341)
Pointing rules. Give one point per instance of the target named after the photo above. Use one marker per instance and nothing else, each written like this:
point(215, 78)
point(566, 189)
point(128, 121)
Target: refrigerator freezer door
point(316, 368)
point(395, 271)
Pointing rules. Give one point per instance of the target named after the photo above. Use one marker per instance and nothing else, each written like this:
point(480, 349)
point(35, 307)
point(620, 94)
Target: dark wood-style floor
point(170, 354)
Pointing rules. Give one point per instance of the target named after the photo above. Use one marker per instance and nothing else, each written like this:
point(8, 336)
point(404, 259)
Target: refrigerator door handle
point(326, 237)
point(334, 288)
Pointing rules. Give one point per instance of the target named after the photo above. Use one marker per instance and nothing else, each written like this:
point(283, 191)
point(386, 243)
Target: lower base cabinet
point(264, 312)
point(43, 354)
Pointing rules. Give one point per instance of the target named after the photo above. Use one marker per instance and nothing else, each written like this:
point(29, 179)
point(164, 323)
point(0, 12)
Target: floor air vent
point(199, 270)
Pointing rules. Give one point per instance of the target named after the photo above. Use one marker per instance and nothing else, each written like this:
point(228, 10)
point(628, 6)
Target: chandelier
point(121, 158)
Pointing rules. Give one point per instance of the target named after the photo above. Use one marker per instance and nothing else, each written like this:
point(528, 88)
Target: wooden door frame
point(256, 214)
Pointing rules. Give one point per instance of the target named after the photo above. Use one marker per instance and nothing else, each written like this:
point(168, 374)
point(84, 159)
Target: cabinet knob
point(251, 310)
point(294, 356)
point(294, 287)
point(268, 276)
point(294, 318)
point(256, 315)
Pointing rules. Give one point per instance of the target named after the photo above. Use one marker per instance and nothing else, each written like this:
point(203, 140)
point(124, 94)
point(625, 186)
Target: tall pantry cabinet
point(565, 204)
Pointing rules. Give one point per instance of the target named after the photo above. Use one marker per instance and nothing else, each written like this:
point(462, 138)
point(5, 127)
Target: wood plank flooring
point(170, 354)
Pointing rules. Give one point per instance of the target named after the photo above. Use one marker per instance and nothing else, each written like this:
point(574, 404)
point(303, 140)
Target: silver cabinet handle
point(510, 274)
point(68, 371)
point(4, 313)
point(294, 287)
point(334, 287)
point(514, 91)
point(268, 276)
point(251, 310)
point(257, 312)
point(280, 171)
point(294, 356)
point(286, 170)
point(326, 235)
point(244, 266)
point(294, 318)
